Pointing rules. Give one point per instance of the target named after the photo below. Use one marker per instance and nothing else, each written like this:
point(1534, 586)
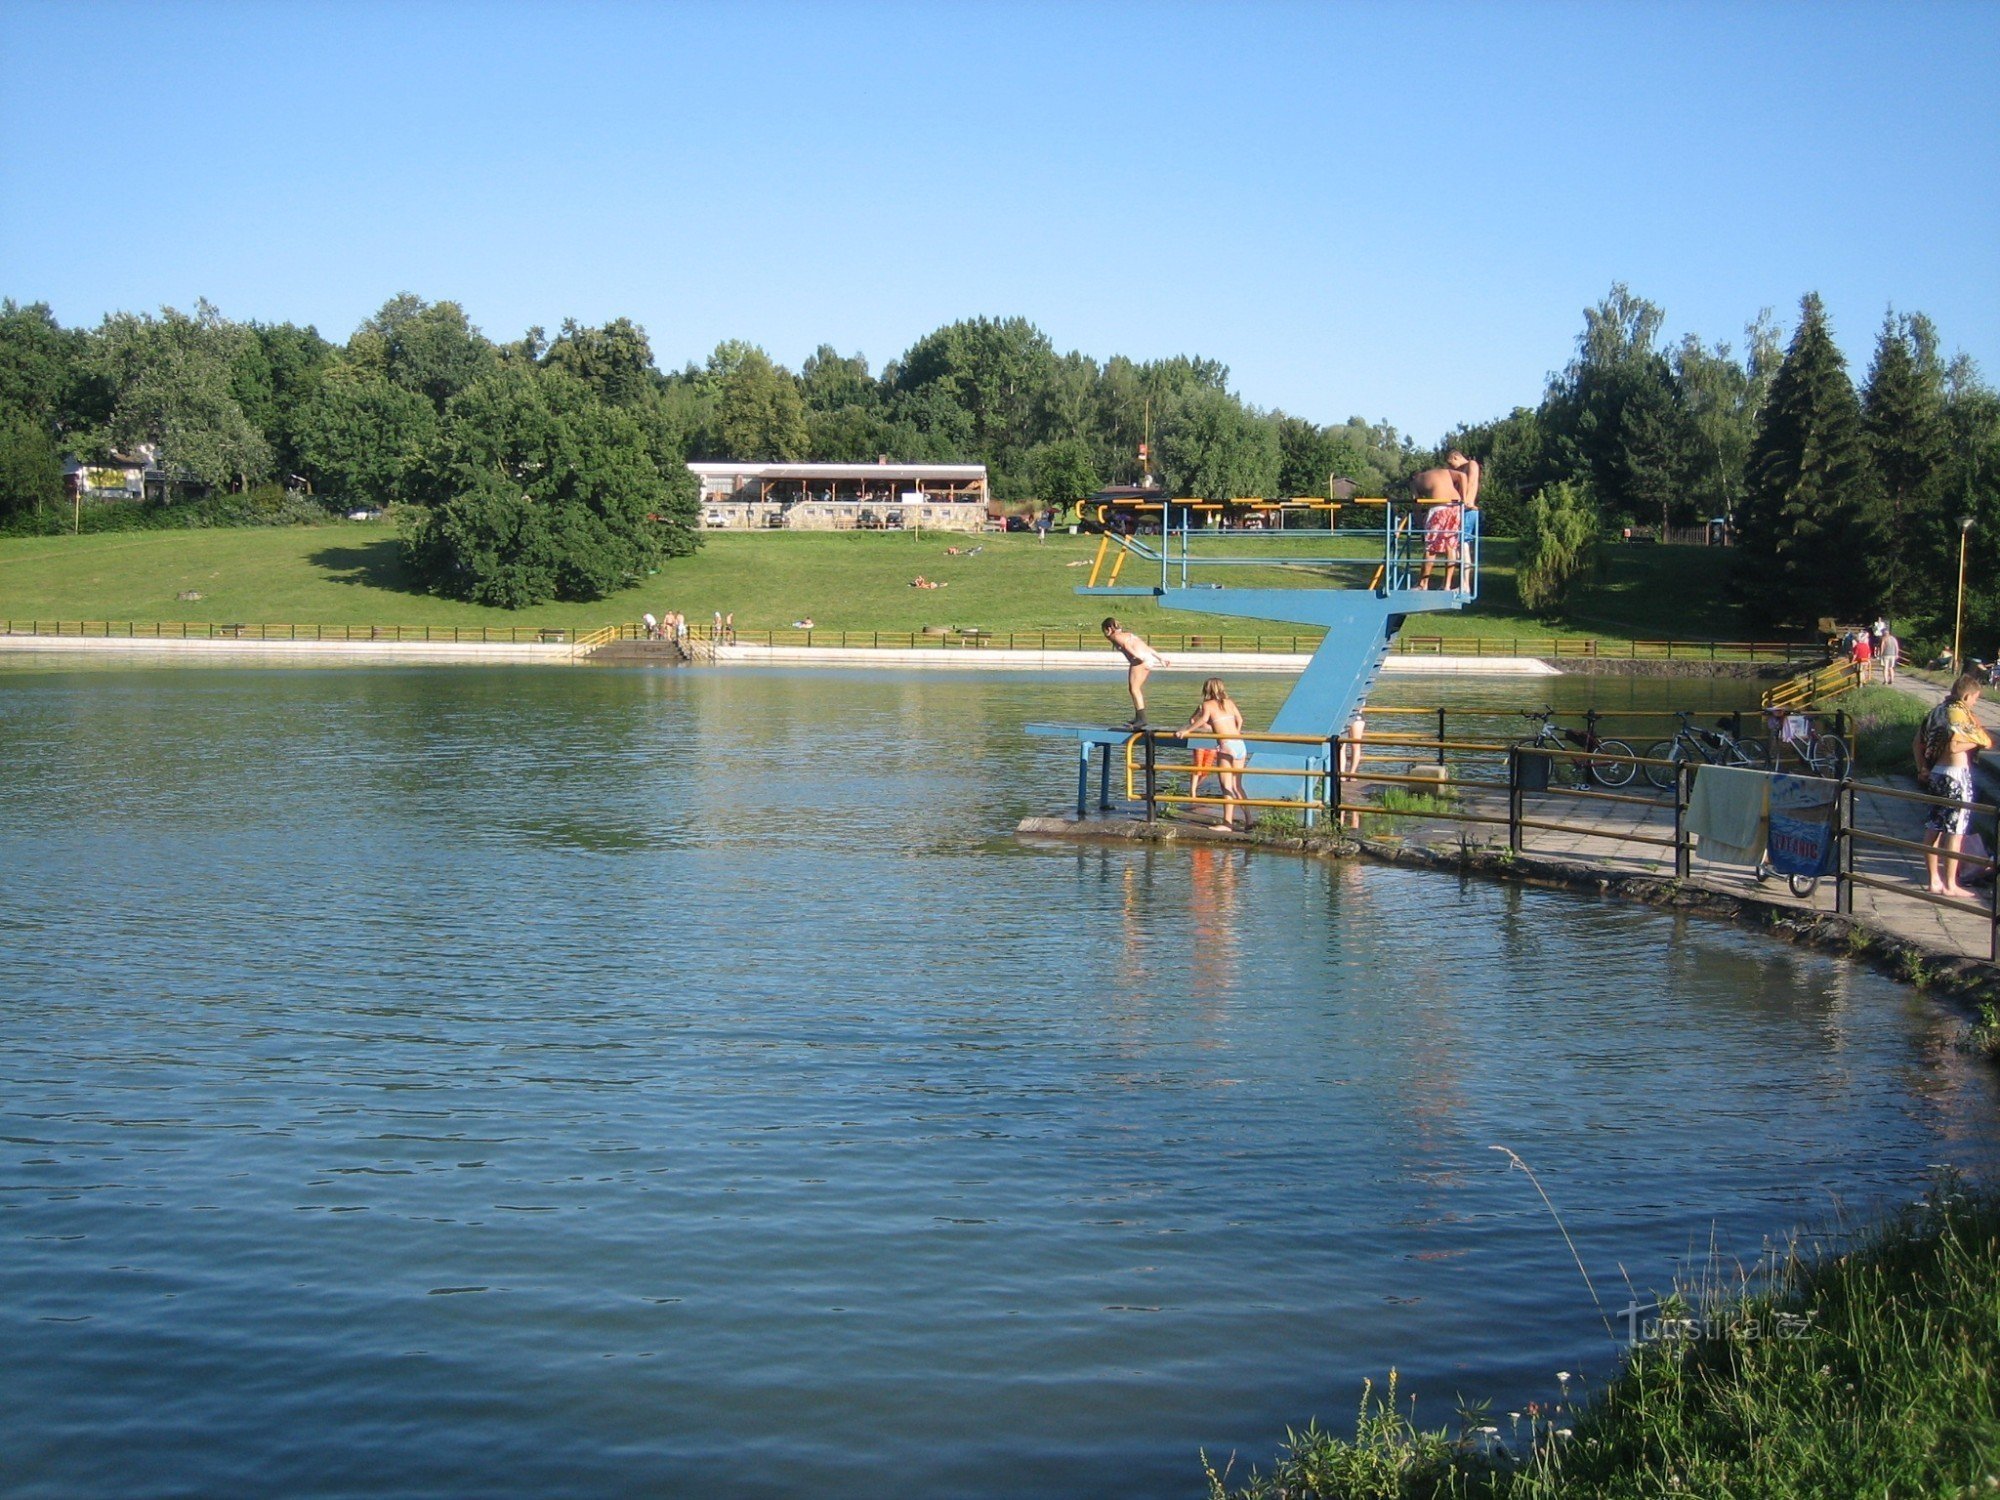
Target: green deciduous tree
point(428, 347)
point(172, 380)
point(1722, 398)
point(1558, 537)
point(553, 493)
point(849, 435)
point(830, 381)
point(997, 373)
point(1212, 447)
point(275, 372)
point(1510, 453)
point(1308, 456)
point(366, 439)
point(44, 369)
point(1065, 472)
point(1810, 485)
point(30, 470)
point(759, 413)
point(614, 361)
point(1584, 412)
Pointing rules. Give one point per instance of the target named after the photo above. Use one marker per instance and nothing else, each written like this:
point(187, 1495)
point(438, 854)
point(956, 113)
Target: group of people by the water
point(671, 625)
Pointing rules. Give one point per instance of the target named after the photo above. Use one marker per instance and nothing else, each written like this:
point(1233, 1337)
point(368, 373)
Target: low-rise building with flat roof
point(841, 497)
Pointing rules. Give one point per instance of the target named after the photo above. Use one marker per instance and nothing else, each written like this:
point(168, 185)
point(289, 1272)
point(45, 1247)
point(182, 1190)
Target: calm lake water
point(605, 1083)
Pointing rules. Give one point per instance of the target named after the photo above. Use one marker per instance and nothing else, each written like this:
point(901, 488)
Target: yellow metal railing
point(1135, 771)
point(1829, 681)
point(590, 640)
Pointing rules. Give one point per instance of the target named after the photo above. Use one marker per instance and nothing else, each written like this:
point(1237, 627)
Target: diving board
point(1356, 583)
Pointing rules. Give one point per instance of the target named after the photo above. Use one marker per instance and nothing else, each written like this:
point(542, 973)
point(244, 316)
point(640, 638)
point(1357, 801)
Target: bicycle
point(1553, 736)
point(1824, 754)
point(1712, 747)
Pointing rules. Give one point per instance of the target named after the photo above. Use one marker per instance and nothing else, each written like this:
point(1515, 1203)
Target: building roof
point(840, 471)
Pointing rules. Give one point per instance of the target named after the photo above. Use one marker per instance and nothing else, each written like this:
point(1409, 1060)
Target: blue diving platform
point(1357, 583)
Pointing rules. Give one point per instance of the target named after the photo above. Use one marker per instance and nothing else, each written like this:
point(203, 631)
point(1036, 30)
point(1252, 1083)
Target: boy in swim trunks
point(1450, 523)
point(1955, 735)
point(1219, 716)
point(1140, 659)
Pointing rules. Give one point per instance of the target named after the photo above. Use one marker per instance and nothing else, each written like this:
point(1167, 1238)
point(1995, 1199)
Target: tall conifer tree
point(1811, 482)
point(1910, 440)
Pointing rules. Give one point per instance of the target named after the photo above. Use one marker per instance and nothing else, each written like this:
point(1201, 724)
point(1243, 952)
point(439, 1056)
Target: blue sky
point(1394, 211)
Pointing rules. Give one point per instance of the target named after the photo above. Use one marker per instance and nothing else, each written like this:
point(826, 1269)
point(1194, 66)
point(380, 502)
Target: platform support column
point(1683, 787)
point(1843, 870)
point(1152, 807)
point(1513, 799)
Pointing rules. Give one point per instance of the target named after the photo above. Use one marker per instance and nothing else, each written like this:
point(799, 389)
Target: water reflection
point(609, 1082)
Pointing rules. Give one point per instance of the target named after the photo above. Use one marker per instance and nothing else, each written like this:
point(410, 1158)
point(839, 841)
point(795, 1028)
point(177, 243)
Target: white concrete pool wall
point(478, 653)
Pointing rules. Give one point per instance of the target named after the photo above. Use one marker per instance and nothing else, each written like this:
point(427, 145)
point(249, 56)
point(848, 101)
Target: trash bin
point(1534, 772)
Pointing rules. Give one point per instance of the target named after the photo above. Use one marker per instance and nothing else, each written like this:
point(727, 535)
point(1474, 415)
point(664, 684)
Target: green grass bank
point(352, 574)
point(1873, 1372)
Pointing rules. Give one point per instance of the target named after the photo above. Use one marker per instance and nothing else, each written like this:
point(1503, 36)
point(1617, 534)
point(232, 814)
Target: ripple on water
point(426, 1083)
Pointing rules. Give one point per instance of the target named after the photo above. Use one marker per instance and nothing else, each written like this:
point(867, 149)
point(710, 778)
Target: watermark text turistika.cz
point(1644, 1323)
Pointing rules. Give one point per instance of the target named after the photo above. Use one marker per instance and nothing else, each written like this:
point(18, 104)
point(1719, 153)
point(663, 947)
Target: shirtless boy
point(1141, 659)
point(1447, 531)
point(1219, 716)
point(1954, 735)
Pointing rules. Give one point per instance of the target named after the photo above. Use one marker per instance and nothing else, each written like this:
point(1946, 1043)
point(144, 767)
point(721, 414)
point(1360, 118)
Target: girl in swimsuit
point(1219, 716)
point(1141, 659)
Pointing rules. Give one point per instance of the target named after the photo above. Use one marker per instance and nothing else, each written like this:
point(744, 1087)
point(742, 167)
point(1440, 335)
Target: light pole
point(1958, 615)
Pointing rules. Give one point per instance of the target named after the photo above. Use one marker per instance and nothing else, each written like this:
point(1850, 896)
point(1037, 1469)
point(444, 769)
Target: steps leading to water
point(640, 653)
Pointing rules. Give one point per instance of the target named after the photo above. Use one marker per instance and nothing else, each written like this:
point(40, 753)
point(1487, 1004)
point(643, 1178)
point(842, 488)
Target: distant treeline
point(554, 467)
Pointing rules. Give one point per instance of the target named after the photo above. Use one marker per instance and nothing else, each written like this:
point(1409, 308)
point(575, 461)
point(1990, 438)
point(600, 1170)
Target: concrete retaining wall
point(148, 648)
point(965, 658)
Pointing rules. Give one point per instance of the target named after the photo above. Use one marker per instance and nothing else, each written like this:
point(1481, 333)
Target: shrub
point(1557, 545)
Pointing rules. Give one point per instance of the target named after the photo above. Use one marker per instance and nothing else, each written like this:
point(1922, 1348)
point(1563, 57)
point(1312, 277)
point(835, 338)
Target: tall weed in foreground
point(1875, 1371)
point(1390, 1458)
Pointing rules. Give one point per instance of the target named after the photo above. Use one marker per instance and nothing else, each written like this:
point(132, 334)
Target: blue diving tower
point(1357, 583)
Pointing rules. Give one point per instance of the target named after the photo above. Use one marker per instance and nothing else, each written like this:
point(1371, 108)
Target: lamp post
point(1958, 615)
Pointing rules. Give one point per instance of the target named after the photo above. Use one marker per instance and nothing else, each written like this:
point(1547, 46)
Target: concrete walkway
point(1608, 835)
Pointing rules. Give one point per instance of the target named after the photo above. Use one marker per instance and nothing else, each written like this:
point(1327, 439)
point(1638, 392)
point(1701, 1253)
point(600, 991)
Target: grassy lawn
point(351, 573)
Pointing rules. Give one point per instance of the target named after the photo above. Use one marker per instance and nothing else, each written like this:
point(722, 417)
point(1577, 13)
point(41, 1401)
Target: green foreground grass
point(1875, 1372)
point(352, 574)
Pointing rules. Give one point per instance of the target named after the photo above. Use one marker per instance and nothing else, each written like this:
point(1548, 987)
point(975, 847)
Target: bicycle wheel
point(1612, 772)
point(1750, 753)
point(1660, 773)
point(1830, 757)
